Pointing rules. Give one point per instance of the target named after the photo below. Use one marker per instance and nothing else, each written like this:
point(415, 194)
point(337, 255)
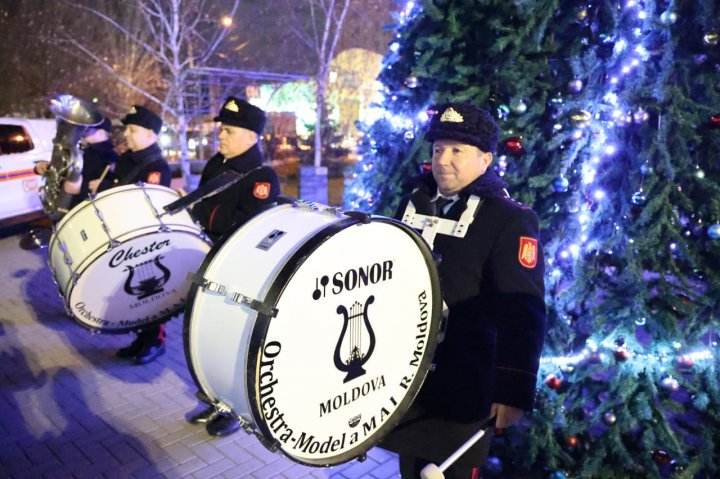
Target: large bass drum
point(121, 265)
point(315, 328)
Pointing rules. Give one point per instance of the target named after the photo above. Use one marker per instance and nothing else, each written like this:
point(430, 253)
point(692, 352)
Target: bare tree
point(318, 24)
point(171, 36)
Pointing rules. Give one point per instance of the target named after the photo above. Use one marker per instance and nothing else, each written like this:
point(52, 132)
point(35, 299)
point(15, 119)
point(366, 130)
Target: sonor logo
point(353, 279)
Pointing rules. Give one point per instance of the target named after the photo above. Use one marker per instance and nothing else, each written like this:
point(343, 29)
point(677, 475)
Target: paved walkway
point(70, 409)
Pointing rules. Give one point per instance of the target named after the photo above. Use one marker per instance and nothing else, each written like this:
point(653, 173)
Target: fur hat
point(465, 123)
point(237, 112)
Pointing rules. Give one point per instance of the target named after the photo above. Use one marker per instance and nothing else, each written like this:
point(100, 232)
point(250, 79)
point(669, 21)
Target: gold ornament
point(711, 38)
point(580, 118)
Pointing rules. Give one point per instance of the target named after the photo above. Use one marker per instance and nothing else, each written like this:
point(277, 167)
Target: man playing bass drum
point(241, 123)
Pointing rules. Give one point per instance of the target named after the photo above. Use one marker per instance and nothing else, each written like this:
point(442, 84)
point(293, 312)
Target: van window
point(14, 139)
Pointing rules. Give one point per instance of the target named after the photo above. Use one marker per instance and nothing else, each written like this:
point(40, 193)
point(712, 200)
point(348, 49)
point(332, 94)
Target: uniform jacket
point(147, 166)
point(496, 325)
point(242, 200)
point(96, 156)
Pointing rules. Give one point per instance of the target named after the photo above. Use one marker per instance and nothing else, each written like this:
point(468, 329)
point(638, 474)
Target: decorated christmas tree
point(610, 113)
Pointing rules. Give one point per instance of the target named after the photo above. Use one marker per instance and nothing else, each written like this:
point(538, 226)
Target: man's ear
point(487, 158)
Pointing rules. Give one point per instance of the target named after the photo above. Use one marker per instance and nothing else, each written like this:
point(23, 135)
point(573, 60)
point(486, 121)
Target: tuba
point(74, 116)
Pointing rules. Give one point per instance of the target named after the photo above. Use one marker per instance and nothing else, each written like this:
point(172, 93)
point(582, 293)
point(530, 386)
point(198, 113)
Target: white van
point(23, 143)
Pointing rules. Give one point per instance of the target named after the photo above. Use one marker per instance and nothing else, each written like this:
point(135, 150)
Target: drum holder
point(98, 213)
point(233, 296)
point(163, 227)
point(433, 225)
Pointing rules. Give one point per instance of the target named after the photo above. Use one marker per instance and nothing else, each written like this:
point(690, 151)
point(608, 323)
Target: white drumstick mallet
point(431, 471)
point(102, 177)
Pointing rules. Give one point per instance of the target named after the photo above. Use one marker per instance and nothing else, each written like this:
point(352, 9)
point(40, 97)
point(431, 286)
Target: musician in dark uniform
point(241, 125)
point(492, 283)
point(98, 153)
point(143, 162)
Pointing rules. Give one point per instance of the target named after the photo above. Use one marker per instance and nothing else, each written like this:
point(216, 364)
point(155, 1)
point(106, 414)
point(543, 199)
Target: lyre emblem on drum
point(142, 280)
point(352, 322)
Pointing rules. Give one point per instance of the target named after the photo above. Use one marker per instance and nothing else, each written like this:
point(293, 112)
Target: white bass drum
point(315, 328)
point(121, 265)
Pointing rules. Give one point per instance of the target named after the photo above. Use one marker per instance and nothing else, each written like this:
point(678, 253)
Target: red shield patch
point(528, 252)
point(154, 178)
point(261, 191)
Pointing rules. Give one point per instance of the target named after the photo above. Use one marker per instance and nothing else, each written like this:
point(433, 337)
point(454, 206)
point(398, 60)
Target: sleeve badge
point(154, 178)
point(261, 190)
point(528, 252)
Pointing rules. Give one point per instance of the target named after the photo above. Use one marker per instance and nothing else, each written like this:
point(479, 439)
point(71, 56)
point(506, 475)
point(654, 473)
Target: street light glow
point(227, 21)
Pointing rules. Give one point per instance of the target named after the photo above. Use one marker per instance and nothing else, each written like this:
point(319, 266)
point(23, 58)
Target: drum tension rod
point(233, 296)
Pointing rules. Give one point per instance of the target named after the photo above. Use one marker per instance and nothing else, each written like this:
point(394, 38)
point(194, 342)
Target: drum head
point(140, 281)
point(358, 313)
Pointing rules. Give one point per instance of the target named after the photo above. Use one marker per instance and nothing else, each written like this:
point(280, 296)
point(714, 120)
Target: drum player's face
point(235, 140)
point(456, 165)
point(138, 138)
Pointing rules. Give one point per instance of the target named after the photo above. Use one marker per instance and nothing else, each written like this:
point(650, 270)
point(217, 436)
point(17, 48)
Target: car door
point(19, 152)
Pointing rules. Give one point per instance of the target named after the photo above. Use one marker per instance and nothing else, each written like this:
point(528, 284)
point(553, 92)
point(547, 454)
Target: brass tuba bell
point(74, 116)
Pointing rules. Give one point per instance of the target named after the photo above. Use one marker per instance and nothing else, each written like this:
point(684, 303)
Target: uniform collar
point(147, 154)
point(252, 158)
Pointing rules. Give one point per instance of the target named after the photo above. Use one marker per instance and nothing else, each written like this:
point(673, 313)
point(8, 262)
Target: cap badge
point(232, 106)
point(133, 110)
point(452, 116)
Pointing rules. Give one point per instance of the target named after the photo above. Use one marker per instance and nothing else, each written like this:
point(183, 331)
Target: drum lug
point(272, 444)
point(233, 296)
point(364, 218)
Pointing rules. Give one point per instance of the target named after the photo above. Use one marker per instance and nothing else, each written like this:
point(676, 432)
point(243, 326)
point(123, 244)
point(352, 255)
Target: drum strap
point(235, 297)
point(433, 225)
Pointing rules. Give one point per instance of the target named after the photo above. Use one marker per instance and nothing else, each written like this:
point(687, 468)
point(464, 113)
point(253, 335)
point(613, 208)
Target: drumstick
point(102, 177)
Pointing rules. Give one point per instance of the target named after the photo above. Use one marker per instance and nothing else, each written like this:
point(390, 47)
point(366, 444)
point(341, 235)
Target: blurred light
point(599, 194)
point(192, 144)
point(610, 150)
point(226, 21)
point(394, 47)
point(165, 139)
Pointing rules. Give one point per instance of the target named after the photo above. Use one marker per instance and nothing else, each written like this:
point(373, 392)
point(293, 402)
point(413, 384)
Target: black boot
point(206, 416)
point(224, 425)
point(150, 352)
point(132, 350)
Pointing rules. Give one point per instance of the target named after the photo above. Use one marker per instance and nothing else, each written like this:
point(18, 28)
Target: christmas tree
point(610, 115)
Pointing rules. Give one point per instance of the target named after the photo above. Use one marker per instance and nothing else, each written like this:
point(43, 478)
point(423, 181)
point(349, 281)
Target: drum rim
point(101, 196)
point(262, 322)
point(71, 287)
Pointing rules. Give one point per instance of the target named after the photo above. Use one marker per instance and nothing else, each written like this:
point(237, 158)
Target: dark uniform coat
point(245, 198)
point(96, 156)
point(492, 282)
point(147, 166)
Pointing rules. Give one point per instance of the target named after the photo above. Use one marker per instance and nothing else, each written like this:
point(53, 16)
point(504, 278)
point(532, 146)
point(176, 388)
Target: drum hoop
point(272, 297)
point(101, 196)
point(71, 287)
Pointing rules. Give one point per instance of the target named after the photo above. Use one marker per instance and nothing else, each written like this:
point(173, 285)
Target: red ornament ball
point(571, 441)
point(715, 121)
point(553, 382)
point(513, 145)
point(661, 457)
point(685, 362)
point(621, 354)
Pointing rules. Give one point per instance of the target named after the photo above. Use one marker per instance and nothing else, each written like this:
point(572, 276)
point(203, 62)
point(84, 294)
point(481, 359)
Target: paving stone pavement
point(70, 409)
